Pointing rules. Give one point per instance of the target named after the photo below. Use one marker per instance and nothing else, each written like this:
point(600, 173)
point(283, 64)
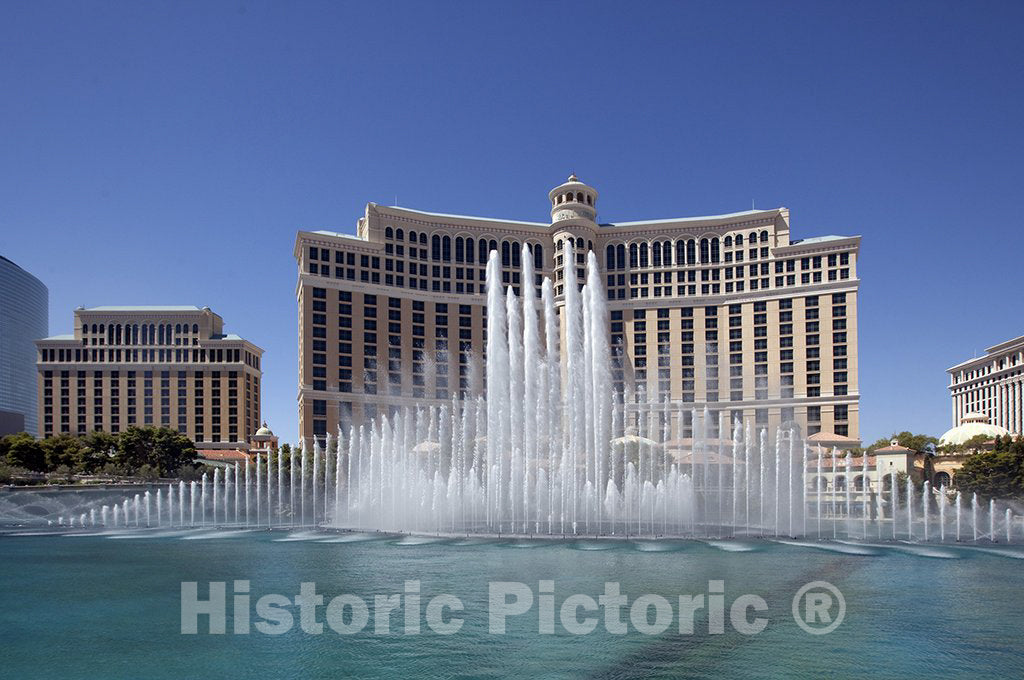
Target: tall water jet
point(992, 519)
point(216, 493)
point(910, 509)
point(202, 500)
point(316, 478)
point(497, 400)
point(974, 514)
point(958, 504)
point(292, 469)
point(943, 502)
point(302, 485)
point(925, 494)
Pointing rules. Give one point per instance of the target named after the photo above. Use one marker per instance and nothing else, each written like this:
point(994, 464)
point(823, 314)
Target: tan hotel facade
point(157, 366)
point(724, 310)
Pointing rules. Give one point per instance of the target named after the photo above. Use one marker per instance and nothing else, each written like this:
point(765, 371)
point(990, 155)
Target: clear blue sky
point(166, 153)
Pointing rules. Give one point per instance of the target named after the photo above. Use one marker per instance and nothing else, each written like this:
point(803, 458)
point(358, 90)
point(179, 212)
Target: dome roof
point(971, 425)
point(264, 431)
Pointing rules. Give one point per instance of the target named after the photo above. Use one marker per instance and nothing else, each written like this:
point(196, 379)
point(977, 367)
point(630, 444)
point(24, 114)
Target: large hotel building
point(150, 366)
point(724, 310)
point(991, 385)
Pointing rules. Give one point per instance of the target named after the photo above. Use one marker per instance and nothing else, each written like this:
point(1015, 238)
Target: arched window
point(753, 238)
point(145, 334)
point(470, 250)
point(680, 252)
point(620, 256)
point(715, 255)
point(666, 253)
point(423, 238)
point(634, 261)
point(482, 250)
point(579, 196)
point(579, 244)
point(739, 240)
point(412, 237)
point(559, 245)
point(691, 252)
point(446, 253)
point(858, 483)
point(764, 237)
point(195, 328)
point(435, 247)
point(493, 245)
point(160, 334)
point(177, 328)
point(590, 200)
point(644, 261)
point(568, 197)
point(590, 246)
point(506, 254)
point(516, 254)
point(389, 233)
point(460, 249)
point(656, 247)
point(727, 242)
point(705, 251)
point(399, 235)
point(609, 257)
point(942, 479)
point(839, 483)
point(538, 256)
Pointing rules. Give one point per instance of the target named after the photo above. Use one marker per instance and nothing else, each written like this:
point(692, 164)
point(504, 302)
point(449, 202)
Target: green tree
point(25, 451)
point(998, 473)
point(98, 449)
point(162, 449)
point(917, 442)
point(64, 450)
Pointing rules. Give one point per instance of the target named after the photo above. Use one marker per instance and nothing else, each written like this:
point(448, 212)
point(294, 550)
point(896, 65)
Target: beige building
point(991, 386)
point(160, 366)
point(725, 310)
point(263, 442)
point(850, 491)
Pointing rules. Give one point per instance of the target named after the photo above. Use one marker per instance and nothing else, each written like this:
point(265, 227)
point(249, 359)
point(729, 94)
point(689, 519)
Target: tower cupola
point(573, 200)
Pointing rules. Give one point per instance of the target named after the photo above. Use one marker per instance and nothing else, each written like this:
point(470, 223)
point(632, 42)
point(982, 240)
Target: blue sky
point(166, 153)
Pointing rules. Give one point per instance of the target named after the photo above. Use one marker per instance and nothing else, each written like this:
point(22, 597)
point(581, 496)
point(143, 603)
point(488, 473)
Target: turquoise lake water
point(109, 606)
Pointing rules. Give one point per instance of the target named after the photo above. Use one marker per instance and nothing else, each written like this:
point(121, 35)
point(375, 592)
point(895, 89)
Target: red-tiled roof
point(224, 455)
point(894, 448)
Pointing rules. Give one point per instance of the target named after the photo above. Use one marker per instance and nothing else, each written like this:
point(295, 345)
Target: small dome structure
point(972, 425)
